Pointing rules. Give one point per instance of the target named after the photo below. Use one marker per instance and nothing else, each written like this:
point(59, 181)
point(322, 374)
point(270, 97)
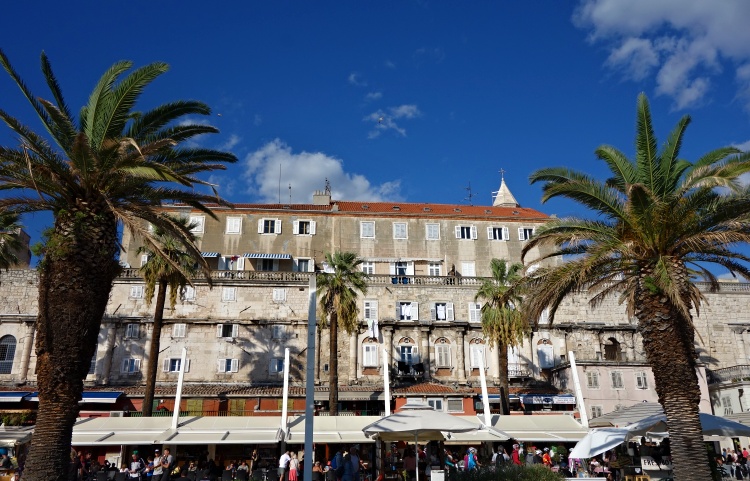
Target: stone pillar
point(28, 342)
point(461, 363)
point(424, 334)
point(317, 354)
point(109, 353)
point(353, 357)
point(388, 343)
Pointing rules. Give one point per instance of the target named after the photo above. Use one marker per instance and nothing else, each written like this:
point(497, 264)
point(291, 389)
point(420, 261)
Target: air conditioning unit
point(116, 414)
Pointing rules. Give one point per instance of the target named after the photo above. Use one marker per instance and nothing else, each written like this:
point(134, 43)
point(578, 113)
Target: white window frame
point(259, 263)
point(596, 411)
point(133, 331)
point(475, 312)
point(592, 379)
point(475, 352)
point(310, 264)
point(179, 329)
point(276, 366)
point(452, 409)
point(466, 232)
point(641, 380)
point(413, 311)
point(278, 331)
point(443, 356)
point(188, 293)
point(136, 292)
point(400, 230)
point(726, 404)
point(523, 231)
point(434, 269)
point(279, 294)
point(364, 227)
point(130, 366)
point(234, 225)
point(370, 355)
point(370, 310)
point(233, 364)
point(436, 403)
point(368, 267)
point(228, 294)
point(468, 269)
point(500, 233)
point(234, 334)
point(172, 364)
point(262, 226)
point(297, 224)
point(617, 381)
point(449, 311)
point(200, 223)
point(144, 259)
point(435, 234)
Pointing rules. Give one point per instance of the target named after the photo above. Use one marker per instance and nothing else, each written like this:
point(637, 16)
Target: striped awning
point(210, 254)
point(257, 255)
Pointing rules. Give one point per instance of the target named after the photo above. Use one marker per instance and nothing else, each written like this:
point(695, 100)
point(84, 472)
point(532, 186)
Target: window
point(228, 365)
point(368, 267)
point(434, 269)
point(136, 292)
point(616, 377)
point(498, 233)
point(130, 366)
point(276, 366)
point(525, 233)
point(92, 366)
point(278, 332)
point(441, 311)
point(303, 227)
point(144, 259)
point(468, 269)
point(178, 330)
point(132, 331)
point(400, 268)
point(188, 293)
point(367, 230)
point(279, 295)
point(7, 353)
point(437, 404)
point(234, 225)
point(443, 355)
point(269, 226)
point(475, 312)
point(229, 294)
point(407, 311)
point(409, 354)
point(371, 310)
point(641, 380)
point(592, 379)
point(726, 403)
point(596, 411)
point(303, 265)
point(399, 230)
point(466, 232)
point(227, 330)
point(173, 365)
point(198, 224)
point(268, 265)
point(432, 231)
point(455, 405)
point(370, 355)
point(477, 356)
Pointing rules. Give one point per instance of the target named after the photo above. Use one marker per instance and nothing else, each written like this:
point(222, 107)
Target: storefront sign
point(542, 399)
point(649, 464)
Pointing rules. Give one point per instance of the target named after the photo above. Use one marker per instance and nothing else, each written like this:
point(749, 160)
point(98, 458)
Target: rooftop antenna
point(328, 187)
point(279, 182)
point(470, 194)
point(290, 193)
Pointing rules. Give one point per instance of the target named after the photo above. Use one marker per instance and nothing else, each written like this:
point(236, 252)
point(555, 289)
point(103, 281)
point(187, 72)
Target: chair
point(240, 475)
point(226, 475)
point(419, 368)
point(121, 477)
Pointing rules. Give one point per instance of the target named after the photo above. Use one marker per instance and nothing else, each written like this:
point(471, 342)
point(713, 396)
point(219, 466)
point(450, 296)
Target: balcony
point(729, 374)
point(405, 369)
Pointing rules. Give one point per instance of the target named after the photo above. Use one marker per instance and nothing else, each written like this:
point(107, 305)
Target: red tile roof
point(432, 388)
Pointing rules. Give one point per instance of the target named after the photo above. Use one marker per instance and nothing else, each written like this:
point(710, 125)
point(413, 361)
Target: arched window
point(7, 352)
point(476, 353)
point(442, 353)
point(546, 354)
point(612, 350)
point(370, 352)
point(408, 355)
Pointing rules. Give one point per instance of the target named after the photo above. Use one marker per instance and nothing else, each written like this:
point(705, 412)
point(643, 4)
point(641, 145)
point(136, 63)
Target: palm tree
point(658, 221)
point(502, 322)
point(337, 307)
point(9, 243)
point(112, 167)
point(161, 271)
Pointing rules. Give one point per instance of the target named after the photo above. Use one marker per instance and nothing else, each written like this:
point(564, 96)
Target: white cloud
point(233, 140)
point(744, 146)
point(373, 96)
point(683, 43)
point(356, 79)
point(257, 120)
point(307, 172)
point(390, 64)
point(386, 120)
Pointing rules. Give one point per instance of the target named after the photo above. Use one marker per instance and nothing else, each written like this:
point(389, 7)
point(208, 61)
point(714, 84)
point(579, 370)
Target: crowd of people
point(733, 463)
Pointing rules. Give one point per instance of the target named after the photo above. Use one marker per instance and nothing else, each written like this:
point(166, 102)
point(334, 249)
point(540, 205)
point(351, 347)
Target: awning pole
point(579, 392)
point(310, 378)
point(386, 382)
point(285, 393)
point(485, 396)
point(178, 395)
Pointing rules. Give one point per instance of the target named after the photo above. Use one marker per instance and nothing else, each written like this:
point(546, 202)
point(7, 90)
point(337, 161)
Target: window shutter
point(449, 311)
point(490, 232)
point(220, 365)
point(398, 310)
point(374, 309)
point(414, 355)
point(474, 232)
point(312, 227)
point(433, 312)
point(235, 365)
point(187, 365)
point(165, 365)
point(222, 263)
point(520, 234)
point(277, 228)
point(414, 311)
point(410, 268)
point(124, 367)
point(506, 233)
point(458, 231)
point(235, 330)
point(272, 366)
point(295, 227)
point(392, 267)
point(260, 226)
point(240, 263)
point(136, 365)
point(275, 265)
point(219, 328)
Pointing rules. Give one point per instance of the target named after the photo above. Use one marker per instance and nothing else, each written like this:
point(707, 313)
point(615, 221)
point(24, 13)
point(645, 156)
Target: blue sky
point(464, 89)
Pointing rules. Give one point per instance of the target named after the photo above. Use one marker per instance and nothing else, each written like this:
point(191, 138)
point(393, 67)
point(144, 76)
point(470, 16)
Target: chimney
point(321, 198)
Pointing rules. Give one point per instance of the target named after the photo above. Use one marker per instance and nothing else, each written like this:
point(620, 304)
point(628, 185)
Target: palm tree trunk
point(668, 339)
point(333, 366)
point(502, 351)
point(75, 279)
point(153, 352)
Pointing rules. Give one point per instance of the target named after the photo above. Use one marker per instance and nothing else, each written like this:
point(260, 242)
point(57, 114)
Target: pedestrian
point(137, 465)
point(293, 467)
point(167, 464)
point(158, 468)
point(284, 465)
point(516, 455)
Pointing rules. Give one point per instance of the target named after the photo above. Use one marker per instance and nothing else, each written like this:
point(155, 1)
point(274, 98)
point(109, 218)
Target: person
point(254, 460)
point(410, 464)
point(284, 465)
point(516, 455)
point(149, 471)
point(317, 472)
point(356, 462)
point(293, 466)
point(338, 463)
point(158, 469)
point(546, 458)
point(6, 463)
point(470, 460)
point(243, 466)
point(124, 469)
point(137, 465)
point(167, 464)
point(192, 467)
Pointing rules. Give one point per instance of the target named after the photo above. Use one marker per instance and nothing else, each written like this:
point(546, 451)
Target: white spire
point(503, 197)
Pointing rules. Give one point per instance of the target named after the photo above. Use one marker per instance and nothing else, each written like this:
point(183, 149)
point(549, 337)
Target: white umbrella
point(420, 422)
point(597, 441)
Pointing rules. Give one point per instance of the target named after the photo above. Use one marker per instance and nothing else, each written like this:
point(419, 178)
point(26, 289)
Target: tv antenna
point(470, 194)
point(290, 193)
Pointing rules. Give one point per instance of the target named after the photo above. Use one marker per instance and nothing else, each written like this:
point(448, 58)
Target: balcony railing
point(729, 374)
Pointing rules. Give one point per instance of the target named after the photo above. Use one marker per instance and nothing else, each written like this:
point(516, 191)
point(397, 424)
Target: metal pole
point(485, 396)
point(579, 392)
point(387, 382)
point(178, 395)
point(310, 378)
point(285, 392)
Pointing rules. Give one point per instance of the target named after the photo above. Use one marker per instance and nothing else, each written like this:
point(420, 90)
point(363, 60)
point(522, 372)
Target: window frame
point(592, 380)
point(278, 365)
point(233, 225)
point(400, 231)
point(223, 363)
point(617, 380)
point(234, 331)
point(279, 294)
point(450, 409)
point(641, 380)
point(187, 293)
point(522, 233)
point(466, 232)
point(200, 224)
point(272, 224)
point(492, 233)
point(133, 365)
point(362, 225)
point(437, 403)
point(370, 309)
point(368, 267)
point(228, 294)
point(428, 227)
point(475, 311)
point(179, 330)
point(370, 355)
point(136, 292)
point(132, 330)
point(413, 310)
point(434, 269)
point(596, 411)
point(446, 355)
point(297, 227)
point(449, 311)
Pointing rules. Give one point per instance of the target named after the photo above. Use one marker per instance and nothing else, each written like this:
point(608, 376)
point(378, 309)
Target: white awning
point(13, 396)
point(332, 429)
point(258, 255)
point(12, 435)
point(210, 254)
point(541, 428)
